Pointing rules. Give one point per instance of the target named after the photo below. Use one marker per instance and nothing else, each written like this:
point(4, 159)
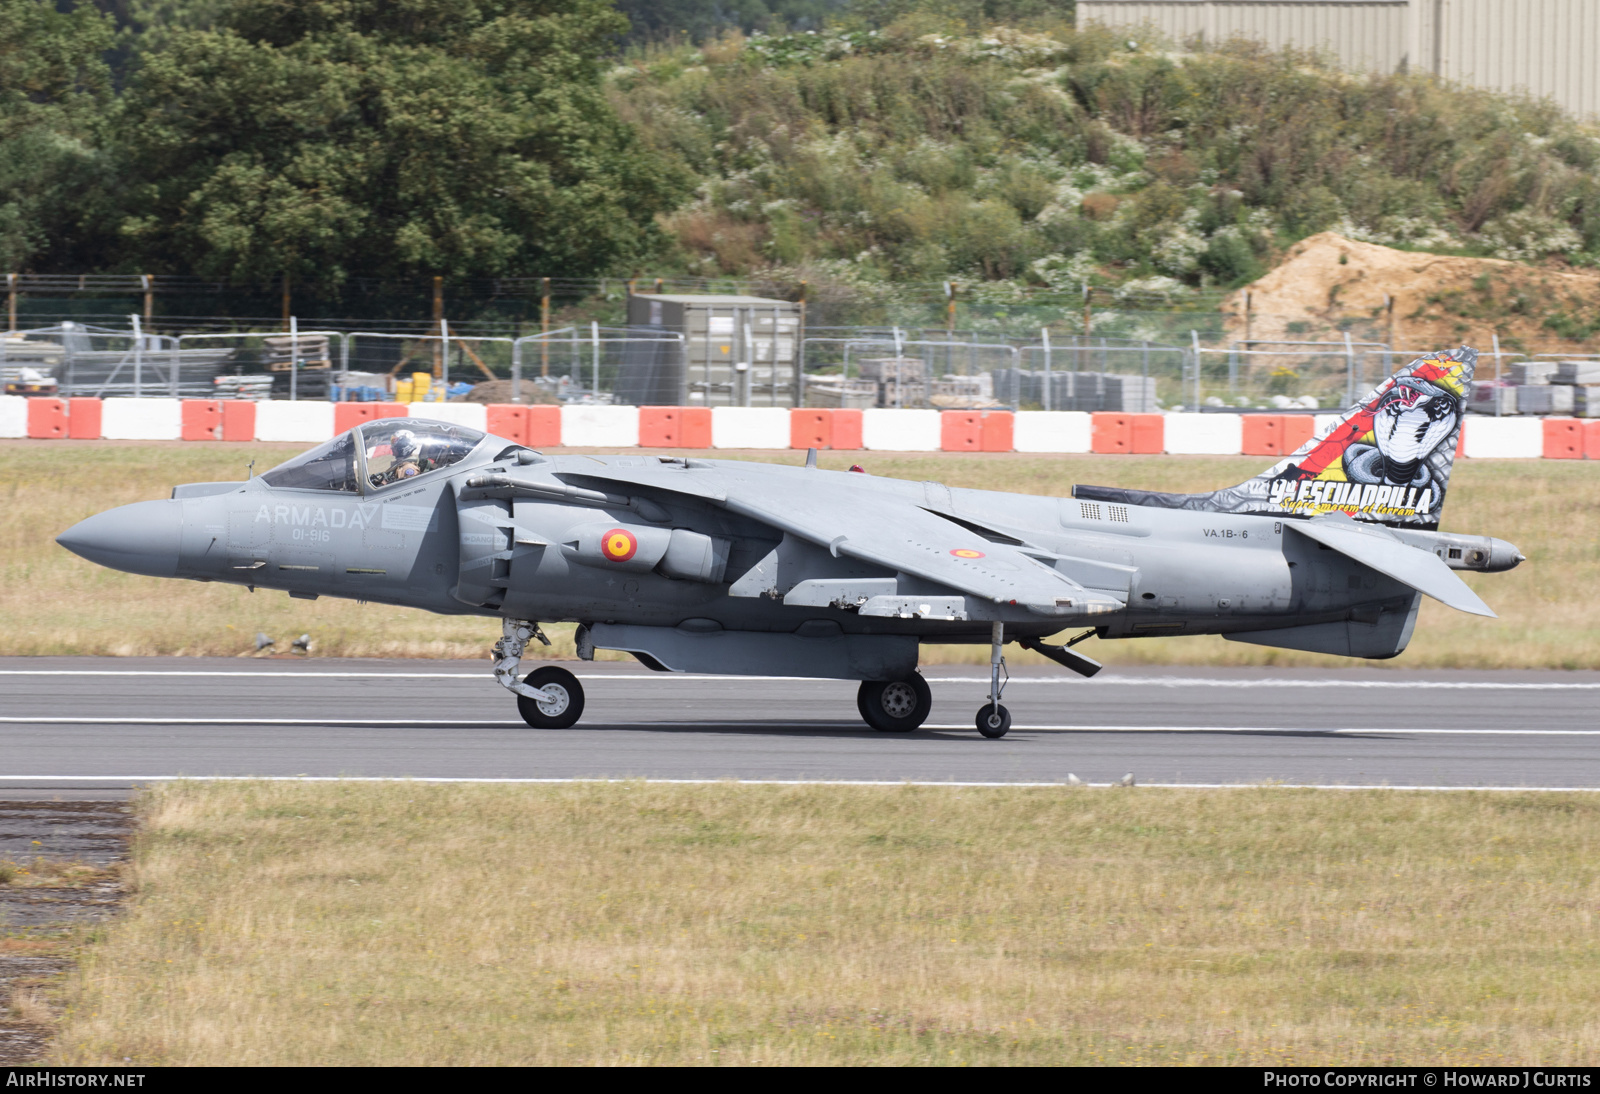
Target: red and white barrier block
point(679, 427)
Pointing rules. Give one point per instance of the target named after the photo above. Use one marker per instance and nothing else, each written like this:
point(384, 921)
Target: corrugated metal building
point(1544, 47)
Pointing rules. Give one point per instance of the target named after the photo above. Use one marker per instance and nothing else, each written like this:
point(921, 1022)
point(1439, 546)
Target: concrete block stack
point(1088, 392)
point(1583, 380)
point(1498, 400)
point(1561, 388)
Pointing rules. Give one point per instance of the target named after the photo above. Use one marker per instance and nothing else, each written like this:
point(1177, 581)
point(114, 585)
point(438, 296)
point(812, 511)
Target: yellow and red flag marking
point(966, 552)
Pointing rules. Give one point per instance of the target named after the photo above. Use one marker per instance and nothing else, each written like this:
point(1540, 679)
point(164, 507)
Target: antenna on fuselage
point(250, 472)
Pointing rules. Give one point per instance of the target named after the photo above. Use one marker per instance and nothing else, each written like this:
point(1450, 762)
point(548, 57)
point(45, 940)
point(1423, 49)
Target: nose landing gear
point(550, 697)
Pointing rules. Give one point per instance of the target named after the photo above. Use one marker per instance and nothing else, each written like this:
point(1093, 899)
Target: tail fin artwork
point(1387, 461)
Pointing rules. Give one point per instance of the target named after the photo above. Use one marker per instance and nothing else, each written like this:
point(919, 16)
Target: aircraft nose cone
point(141, 538)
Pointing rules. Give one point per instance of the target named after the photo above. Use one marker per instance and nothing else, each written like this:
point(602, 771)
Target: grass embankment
point(1014, 162)
point(53, 602)
point(647, 923)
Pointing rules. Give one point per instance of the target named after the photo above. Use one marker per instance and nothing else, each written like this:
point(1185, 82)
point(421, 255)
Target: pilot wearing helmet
point(409, 456)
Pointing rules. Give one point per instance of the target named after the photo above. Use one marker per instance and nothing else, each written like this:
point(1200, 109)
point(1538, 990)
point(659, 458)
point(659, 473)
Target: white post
point(294, 359)
point(899, 374)
point(1044, 335)
point(1194, 341)
point(594, 333)
point(751, 357)
point(1349, 371)
point(71, 357)
point(138, 360)
point(444, 368)
point(1497, 396)
point(516, 370)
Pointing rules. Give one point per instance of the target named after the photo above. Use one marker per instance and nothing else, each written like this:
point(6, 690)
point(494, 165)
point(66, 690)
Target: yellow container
point(420, 383)
point(402, 391)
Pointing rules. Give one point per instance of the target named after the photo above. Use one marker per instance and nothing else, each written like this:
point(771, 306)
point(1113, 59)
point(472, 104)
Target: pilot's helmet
point(403, 444)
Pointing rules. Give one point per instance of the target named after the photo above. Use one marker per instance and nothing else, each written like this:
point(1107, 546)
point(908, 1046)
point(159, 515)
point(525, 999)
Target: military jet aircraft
point(725, 566)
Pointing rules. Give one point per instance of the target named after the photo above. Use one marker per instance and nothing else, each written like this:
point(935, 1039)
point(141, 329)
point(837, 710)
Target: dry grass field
point(637, 923)
point(55, 603)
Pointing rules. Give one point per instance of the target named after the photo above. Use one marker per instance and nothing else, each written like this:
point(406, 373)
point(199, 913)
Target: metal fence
point(890, 366)
point(92, 360)
point(1327, 375)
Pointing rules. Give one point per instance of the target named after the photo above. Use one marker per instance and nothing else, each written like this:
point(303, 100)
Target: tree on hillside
point(52, 82)
point(392, 138)
point(698, 20)
point(975, 14)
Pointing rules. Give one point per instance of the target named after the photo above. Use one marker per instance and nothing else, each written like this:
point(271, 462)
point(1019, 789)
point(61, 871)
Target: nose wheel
point(559, 702)
point(895, 706)
point(993, 720)
point(547, 698)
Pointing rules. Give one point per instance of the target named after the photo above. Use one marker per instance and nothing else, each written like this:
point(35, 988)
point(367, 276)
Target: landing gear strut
point(993, 719)
point(895, 706)
point(550, 697)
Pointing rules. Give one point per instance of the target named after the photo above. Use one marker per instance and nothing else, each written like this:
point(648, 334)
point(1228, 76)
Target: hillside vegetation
point(1054, 157)
point(987, 143)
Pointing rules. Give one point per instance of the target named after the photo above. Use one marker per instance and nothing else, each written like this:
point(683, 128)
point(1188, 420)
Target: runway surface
point(78, 727)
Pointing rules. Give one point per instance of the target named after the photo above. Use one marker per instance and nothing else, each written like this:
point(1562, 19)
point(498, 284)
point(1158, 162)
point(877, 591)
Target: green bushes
point(916, 155)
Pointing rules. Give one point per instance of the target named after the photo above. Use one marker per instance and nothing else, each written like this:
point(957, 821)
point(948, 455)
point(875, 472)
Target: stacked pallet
point(311, 350)
point(1090, 392)
point(1560, 388)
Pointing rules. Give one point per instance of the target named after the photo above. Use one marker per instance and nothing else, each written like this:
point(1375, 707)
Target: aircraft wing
point(886, 530)
point(1373, 546)
point(898, 535)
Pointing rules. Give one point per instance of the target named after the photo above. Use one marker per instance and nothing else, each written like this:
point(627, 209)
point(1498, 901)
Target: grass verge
point(56, 603)
point(358, 923)
point(47, 911)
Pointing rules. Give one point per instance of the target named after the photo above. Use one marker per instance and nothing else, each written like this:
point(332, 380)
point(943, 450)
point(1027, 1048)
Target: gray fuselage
point(438, 544)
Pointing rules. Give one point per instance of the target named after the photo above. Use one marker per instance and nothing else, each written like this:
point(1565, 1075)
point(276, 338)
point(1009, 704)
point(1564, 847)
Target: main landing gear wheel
point(895, 706)
point(564, 704)
point(993, 720)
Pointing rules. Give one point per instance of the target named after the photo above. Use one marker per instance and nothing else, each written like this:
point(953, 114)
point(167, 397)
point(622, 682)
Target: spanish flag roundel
point(966, 552)
point(618, 545)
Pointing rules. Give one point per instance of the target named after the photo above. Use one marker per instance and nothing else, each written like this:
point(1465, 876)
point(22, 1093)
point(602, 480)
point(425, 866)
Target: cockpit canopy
point(329, 466)
point(397, 449)
point(376, 455)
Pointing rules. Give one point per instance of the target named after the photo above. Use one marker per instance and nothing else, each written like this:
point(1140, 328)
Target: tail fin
point(1387, 461)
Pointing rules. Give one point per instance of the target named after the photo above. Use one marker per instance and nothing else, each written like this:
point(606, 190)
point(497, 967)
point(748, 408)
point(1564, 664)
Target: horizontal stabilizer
point(1373, 546)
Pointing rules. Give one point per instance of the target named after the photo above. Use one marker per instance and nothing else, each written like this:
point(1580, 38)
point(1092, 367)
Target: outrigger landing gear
point(550, 697)
point(993, 719)
point(895, 706)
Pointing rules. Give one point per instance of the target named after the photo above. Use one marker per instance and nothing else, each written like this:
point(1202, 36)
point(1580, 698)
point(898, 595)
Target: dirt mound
point(499, 391)
point(1409, 299)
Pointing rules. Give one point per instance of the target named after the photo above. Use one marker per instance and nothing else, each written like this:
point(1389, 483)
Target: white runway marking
point(480, 723)
point(1016, 681)
point(789, 782)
